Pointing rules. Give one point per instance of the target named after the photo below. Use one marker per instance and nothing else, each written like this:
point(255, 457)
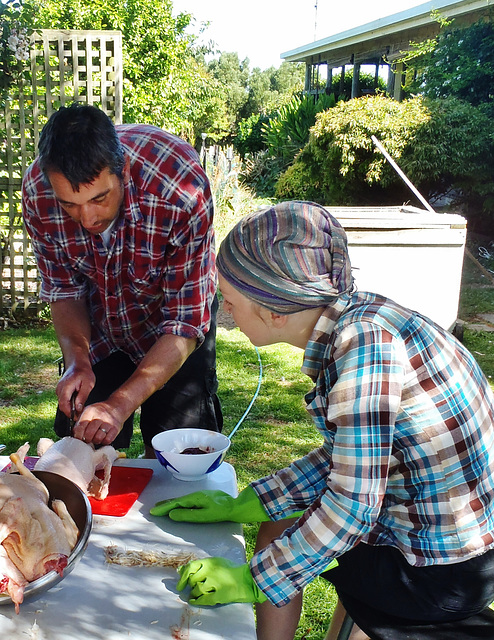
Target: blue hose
point(246, 413)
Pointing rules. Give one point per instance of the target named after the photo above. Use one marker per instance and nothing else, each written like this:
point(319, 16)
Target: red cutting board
point(126, 485)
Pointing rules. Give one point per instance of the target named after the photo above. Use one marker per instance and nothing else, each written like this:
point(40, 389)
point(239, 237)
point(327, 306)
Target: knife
point(72, 419)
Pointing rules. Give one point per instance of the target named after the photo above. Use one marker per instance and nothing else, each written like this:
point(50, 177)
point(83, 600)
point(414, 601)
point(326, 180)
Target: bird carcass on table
point(77, 461)
point(34, 538)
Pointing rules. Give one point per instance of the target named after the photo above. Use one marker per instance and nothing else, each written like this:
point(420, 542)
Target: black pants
point(189, 399)
point(391, 600)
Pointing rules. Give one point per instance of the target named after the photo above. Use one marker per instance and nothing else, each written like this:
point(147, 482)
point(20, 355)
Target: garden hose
point(246, 412)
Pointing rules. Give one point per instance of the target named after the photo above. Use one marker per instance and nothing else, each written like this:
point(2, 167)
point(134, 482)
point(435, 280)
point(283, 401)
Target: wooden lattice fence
point(65, 66)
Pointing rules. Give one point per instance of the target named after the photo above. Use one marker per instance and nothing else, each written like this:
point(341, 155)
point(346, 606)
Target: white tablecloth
point(111, 602)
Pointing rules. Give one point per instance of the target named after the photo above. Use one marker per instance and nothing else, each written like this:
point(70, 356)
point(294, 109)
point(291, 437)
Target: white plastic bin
point(410, 255)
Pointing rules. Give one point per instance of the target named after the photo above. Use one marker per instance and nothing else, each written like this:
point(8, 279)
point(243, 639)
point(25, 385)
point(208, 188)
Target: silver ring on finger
point(104, 430)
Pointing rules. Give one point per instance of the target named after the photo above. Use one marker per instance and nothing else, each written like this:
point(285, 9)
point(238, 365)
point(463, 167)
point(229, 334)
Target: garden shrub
point(284, 133)
point(261, 171)
point(250, 138)
point(442, 146)
point(340, 155)
point(288, 131)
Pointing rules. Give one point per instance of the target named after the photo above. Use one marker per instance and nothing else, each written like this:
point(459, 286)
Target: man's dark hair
point(80, 141)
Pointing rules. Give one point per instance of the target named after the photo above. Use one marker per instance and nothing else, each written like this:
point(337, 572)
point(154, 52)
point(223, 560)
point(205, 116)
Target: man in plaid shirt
point(121, 225)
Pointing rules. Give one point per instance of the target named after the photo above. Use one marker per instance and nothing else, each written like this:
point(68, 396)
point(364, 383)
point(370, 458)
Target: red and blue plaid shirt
point(407, 460)
point(157, 275)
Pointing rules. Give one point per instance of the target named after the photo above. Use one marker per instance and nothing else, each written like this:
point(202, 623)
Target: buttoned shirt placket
point(108, 270)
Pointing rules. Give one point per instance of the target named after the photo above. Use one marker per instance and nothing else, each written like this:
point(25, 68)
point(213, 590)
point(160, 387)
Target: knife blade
point(72, 419)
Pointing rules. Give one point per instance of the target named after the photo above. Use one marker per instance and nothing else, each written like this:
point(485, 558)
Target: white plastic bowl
point(169, 446)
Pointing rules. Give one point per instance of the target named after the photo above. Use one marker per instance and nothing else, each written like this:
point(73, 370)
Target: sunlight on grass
point(475, 300)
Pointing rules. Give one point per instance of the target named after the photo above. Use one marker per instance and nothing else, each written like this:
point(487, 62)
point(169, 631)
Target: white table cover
point(112, 602)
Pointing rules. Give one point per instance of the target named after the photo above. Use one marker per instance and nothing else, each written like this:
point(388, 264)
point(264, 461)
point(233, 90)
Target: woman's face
point(250, 317)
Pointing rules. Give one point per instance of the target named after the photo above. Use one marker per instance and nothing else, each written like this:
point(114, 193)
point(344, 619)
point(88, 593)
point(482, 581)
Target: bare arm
point(162, 361)
point(72, 326)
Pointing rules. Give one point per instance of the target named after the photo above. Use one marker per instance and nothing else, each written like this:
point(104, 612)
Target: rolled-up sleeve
point(46, 224)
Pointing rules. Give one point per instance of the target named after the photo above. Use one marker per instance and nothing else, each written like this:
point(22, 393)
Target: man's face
point(95, 205)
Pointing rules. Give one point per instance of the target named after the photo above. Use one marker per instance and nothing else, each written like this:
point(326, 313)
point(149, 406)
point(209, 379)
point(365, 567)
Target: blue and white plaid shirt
point(407, 418)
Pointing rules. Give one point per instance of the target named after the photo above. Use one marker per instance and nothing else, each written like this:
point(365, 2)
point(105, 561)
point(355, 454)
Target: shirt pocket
point(146, 282)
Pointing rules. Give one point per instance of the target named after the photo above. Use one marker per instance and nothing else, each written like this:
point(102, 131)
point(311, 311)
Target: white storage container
point(410, 255)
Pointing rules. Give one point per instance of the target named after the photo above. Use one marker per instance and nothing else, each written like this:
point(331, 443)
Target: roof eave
point(414, 18)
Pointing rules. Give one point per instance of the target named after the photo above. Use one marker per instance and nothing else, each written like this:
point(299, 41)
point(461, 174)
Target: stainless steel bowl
point(79, 508)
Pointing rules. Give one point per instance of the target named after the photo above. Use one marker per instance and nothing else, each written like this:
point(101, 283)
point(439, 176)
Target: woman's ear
point(278, 320)
point(270, 318)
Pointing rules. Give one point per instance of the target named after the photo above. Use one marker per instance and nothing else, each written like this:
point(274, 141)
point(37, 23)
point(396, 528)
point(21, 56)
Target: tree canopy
point(459, 63)
point(162, 81)
point(167, 80)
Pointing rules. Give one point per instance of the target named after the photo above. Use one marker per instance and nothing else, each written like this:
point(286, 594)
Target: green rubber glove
point(219, 581)
point(332, 565)
point(213, 506)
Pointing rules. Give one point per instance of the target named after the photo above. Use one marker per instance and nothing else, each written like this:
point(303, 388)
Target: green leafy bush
point(260, 172)
point(249, 138)
point(288, 131)
point(461, 64)
point(444, 146)
point(268, 144)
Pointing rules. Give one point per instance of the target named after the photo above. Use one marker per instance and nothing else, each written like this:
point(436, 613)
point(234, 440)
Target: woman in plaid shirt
point(121, 225)
point(401, 492)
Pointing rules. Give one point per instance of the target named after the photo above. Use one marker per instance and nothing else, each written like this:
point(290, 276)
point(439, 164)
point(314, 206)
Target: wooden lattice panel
point(65, 66)
point(19, 281)
point(68, 66)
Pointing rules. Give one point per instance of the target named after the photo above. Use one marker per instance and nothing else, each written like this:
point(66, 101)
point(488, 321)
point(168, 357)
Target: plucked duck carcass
point(34, 538)
point(77, 461)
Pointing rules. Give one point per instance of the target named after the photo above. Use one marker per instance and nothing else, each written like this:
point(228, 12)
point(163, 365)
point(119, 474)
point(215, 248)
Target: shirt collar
point(318, 341)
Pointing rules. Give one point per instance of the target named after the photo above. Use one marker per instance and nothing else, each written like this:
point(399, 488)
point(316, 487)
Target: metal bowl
point(79, 508)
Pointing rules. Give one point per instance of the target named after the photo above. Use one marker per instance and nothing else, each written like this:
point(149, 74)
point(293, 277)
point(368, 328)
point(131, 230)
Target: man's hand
point(219, 581)
point(99, 423)
point(213, 506)
point(73, 328)
point(75, 380)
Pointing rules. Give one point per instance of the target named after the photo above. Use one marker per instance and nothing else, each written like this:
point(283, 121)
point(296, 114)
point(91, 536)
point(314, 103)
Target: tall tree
point(272, 88)
point(163, 82)
point(233, 76)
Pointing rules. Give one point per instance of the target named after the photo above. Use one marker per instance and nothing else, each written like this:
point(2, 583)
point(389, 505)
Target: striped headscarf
point(288, 257)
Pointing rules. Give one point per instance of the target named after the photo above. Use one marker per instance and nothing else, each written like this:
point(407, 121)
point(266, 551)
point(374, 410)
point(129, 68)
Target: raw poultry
point(76, 461)
point(34, 539)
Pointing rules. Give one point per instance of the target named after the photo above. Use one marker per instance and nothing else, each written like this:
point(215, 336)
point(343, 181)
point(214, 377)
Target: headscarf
point(289, 257)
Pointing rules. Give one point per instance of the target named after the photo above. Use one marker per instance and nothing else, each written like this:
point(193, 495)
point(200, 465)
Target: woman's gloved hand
point(213, 506)
point(219, 581)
